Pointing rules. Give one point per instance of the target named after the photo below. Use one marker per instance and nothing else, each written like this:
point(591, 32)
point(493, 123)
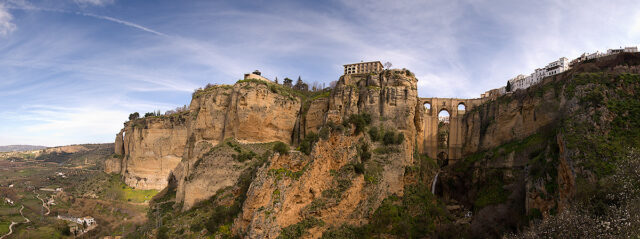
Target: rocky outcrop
point(151, 148)
point(511, 159)
point(250, 112)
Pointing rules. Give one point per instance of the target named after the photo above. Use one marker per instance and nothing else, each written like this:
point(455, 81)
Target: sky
point(71, 71)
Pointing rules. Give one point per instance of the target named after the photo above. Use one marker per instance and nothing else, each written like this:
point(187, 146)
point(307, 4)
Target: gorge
point(368, 154)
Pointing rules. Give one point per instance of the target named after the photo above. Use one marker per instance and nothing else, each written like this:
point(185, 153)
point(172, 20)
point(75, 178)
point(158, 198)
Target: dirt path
point(43, 204)
point(26, 220)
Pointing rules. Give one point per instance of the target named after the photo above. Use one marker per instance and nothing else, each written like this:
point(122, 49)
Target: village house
point(255, 75)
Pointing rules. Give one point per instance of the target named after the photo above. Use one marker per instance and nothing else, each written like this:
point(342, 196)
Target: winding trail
point(26, 220)
point(43, 205)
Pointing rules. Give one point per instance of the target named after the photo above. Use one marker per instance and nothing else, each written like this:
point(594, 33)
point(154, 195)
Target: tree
point(387, 65)
point(300, 85)
point(287, 82)
point(134, 116)
point(508, 87)
point(277, 80)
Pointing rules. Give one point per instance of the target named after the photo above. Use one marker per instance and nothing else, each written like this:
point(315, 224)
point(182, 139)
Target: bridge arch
point(427, 107)
point(432, 140)
point(461, 108)
point(444, 115)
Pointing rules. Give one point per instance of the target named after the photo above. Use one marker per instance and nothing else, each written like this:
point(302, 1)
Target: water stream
point(433, 186)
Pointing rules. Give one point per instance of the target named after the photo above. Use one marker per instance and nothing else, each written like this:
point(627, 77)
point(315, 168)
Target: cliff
point(371, 159)
point(148, 149)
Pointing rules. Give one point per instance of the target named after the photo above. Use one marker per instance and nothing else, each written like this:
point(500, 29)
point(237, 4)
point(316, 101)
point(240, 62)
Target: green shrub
point(307, 143)
point(299, 229)
point(363, 151)
point(244, 156)
point(324, 133)
point(358, 168)
point(360, 121)
point(399, 138)
point(281, 148)
point(389, 138)
point(385, 150)
point(374, 134)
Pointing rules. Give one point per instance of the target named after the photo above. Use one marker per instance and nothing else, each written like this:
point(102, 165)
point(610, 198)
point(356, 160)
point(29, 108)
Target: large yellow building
point(363, 68)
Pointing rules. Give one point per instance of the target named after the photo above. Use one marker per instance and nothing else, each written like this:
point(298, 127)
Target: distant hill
point(14, 148)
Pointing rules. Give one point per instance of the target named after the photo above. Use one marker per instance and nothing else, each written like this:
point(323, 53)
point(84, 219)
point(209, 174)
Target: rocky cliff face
point(148, 149)
point(357, 169)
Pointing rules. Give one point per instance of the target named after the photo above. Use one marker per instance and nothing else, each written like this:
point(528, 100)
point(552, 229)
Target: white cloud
point(6, 24)
point(94, 2)
point(53, 126)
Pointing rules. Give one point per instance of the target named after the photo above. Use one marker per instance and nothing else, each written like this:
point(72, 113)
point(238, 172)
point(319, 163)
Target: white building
point(557, 67)
point(8, 200)
point(363, 68)
point(553, 68)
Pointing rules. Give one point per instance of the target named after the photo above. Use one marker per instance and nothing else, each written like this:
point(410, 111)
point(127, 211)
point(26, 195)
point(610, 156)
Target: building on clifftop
point(363, 68)
point(255, 75)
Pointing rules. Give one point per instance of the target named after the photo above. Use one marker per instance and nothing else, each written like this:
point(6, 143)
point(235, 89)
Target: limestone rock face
point(518, 116)
point(390, 98)
point(277, 198)
point(152, 148)
point(249, 112)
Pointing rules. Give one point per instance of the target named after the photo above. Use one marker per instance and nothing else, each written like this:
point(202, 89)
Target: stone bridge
point(451, 148)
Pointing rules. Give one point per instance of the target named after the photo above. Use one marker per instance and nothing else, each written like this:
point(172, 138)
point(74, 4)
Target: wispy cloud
point(6, 24)
point(113, 57)
point(94, 2)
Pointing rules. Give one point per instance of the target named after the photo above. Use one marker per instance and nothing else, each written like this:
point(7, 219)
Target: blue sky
point(72, 70)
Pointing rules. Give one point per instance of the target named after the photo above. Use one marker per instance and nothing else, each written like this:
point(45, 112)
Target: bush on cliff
point(360, 121)
point(307, 143)
point(281, 148)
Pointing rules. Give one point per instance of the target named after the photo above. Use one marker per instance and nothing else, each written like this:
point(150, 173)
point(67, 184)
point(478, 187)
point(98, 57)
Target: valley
point(68, 183)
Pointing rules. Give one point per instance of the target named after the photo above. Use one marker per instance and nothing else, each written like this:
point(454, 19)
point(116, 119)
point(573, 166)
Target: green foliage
point(134, 116)
point(243, 155)
point(389, 138)
point(372, 172)
point(222, 215)
point(281, 148)
point(399, 138)
point(489, 195)
point(300, 229)
point(324, 133)
point(308, 142)
point(283, 172)
point(363, 151)
point(412, 216)
point(374, 133)
point(288, 92)
point(358, 168)
point(360, 121)
point(341, 182)
point(386, 150)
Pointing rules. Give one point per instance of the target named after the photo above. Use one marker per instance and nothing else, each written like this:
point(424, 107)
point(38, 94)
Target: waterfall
point(433, 186)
